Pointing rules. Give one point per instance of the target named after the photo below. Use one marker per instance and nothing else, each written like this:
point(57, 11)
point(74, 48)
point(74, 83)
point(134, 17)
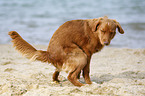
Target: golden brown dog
point(71, 46)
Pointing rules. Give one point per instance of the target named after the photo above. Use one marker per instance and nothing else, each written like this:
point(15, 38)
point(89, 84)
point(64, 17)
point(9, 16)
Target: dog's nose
point(106, 43)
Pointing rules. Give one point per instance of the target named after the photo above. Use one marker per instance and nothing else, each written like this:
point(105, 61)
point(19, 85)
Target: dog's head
point(105, 29)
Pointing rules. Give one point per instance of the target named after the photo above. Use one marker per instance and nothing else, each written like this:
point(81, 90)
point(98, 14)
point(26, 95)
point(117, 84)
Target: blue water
point(37, 20)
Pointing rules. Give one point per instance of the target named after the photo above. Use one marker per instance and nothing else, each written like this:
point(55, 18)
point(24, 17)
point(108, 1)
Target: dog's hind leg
point(86, 71)
point(73, 77)
point(74, 65)
point(79, 75)
point(55, 76)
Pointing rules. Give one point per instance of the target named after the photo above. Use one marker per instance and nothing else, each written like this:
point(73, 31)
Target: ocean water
point(37, 20)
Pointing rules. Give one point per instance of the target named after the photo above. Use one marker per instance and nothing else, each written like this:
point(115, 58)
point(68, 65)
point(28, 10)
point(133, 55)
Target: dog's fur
point(72, 45)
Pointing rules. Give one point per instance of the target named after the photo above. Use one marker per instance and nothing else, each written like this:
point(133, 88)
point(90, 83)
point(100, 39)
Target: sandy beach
point(114, 72)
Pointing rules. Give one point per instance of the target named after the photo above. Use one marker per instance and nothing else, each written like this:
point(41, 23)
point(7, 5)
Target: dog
point(72, 46)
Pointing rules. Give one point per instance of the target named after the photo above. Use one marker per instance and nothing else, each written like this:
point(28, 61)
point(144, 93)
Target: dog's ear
point(120, 30)
point(96, 24)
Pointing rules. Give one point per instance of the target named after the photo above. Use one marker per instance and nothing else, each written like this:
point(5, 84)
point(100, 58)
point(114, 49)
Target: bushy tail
point(28, 50)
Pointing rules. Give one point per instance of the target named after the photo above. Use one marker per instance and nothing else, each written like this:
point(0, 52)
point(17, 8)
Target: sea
point(37, 20)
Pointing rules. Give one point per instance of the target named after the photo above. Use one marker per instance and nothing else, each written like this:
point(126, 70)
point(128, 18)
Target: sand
point(114, 71)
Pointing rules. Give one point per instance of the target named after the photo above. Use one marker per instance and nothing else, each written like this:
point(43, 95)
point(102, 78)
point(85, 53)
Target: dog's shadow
point(107, 77)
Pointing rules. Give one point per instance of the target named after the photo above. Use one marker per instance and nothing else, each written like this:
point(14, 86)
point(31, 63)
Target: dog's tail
point(28, 50)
